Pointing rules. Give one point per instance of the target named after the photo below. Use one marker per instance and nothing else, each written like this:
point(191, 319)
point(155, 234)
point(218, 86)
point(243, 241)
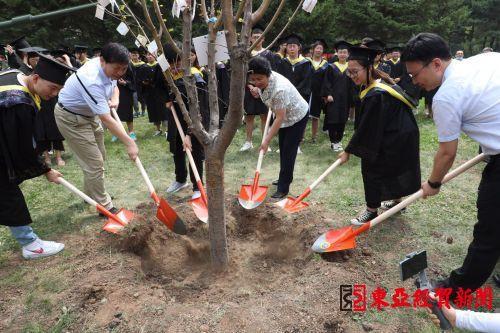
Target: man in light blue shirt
point(84, 103)
point(468, 101)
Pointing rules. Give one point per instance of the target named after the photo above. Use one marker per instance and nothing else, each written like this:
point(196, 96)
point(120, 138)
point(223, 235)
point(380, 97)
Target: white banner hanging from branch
point(122, 29)
point(142, 40)
point(309, 5)
point(177, 7)
point(201, 48)
point(99, 12)
point(152, 47)
point(104, 3)
point(162, 61)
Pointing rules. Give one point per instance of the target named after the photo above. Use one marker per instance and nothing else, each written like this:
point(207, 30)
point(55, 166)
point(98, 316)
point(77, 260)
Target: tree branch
point(269, 26)
point(239, 12)
point(286, 25)
point(204, 10)
point(257, 15)
point(227, 17)
point(212, 82)
point(163, 25)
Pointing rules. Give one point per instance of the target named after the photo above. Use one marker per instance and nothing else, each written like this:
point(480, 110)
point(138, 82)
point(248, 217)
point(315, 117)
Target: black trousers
point(48, 145)
point(336, 132)
point(484, 250)
point(13, 209)
point(180, 157)
point(289, 139)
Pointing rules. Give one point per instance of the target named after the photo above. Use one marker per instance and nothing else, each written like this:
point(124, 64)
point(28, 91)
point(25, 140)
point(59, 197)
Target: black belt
point(76, 114)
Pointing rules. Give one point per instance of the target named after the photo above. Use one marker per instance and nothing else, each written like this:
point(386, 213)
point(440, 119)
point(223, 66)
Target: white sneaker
point(156, 133)
point(299, 151)
point(337, 147)
point(176, 187)
point(196, 195)
point(246, 146)
point(269, 150)
point(40, 249)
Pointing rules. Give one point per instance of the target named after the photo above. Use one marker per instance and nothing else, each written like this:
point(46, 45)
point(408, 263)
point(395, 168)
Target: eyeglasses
point(352, 72)
point(414, 76)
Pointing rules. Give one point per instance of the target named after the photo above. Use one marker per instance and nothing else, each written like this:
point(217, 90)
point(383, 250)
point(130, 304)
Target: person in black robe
point(297, 69)
point(153, 95)
point(15, 57)
point(320, 67)
point(19, 160)
point(254, 106)
point(140, 74)
point(395, 63)
point(337, 92)
point(177, 147)
point(386, 140)
point(126, 86)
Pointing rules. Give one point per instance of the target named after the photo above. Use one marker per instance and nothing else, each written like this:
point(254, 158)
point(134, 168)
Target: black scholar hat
point(342, 45)
point(20, 43)
point(363, 53)
point(293, 38)
point(52, 70)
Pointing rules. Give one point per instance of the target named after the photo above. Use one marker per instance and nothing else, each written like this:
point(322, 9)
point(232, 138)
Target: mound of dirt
point(152, 280)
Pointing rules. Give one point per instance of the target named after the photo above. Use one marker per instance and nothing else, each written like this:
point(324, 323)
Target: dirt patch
point(152, 280)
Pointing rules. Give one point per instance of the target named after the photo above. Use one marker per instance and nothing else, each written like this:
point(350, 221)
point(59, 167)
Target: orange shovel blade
point(169, 217)
point(289, 204)
point(340, 239)
point(119, 220)
point(200, 209)
point(249, 199)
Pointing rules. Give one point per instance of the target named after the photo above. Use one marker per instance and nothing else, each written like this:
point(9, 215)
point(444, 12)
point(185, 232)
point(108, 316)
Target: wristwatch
point(434, 185)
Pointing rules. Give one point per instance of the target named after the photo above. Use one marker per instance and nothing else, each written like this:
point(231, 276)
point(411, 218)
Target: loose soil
point(151, 280)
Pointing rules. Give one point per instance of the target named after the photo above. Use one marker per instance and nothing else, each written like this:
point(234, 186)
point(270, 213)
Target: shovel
point(251, 196)
point(345, 238)
point(294, 205)
point(200, 204)
point(164, 213)
point(115, 222)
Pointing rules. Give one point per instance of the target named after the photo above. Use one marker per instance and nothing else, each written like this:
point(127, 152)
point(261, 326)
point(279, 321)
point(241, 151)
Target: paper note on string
point(309, 5)
point(104, 3)
point(142, 40)
point(122, 28)
point(201, 48)
point(99, 12)
point(162, 61)
point(152, 47)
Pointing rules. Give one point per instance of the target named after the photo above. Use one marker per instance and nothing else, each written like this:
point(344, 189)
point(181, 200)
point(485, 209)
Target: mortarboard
point(52, 70)
point(376, 44)
point(363, 53)
point(20, 43)
point(293, 38)
point(342, 45)
point(81, 48)
point(320, 41)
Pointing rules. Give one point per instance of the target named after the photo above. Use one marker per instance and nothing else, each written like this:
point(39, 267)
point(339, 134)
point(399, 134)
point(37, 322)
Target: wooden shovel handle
point(73, 189)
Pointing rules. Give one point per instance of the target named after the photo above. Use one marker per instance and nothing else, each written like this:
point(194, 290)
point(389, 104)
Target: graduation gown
point(18, 157)
point(396, 68)
point(140, 74)
point(299, 73)
point(46, 127)
point(154, 93)
point(317, 83)
point(223, 85)
point(387, 141)
point(125, 107)
point(340, 87)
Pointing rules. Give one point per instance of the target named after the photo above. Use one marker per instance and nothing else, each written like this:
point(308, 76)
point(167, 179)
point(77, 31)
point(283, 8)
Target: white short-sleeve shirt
point(468, 101)
point(281, 94)
point(74, 97)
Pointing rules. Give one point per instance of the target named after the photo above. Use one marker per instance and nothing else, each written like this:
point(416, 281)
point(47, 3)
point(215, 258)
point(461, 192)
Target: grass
point(57, 212)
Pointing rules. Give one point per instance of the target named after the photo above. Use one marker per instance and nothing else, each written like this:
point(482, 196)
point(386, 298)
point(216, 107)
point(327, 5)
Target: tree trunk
point(214, 178)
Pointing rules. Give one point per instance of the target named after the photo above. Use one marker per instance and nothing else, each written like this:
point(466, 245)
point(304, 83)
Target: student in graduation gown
point(177, 147)
point(126, 85)
point(337, 92)
point(254, 106)
point(157, 111)
point(379, 63)
point(140, 70)
point(395, 63)
point(386, 140)
point(320, 67)
point(297, 69)
point(19, 102)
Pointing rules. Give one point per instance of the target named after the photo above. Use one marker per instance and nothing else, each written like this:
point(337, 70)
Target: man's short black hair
point(426, 46)
point(259, 65)
point(115, 53)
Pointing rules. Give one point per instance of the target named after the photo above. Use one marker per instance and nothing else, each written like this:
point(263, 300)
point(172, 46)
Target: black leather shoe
point(279, 195)
point(112, 210)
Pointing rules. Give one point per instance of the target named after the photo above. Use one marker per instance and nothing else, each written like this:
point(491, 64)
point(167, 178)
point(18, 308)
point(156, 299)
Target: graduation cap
point(281, 40)
point(375, 44)
point(293, 38)
point(52, 70)
point(33, 51)
point(133, 49)
point(81, 48)
point(394, 48)
point(363, 53)
point(320, 41)
point(342, 45)
point(20, 43)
